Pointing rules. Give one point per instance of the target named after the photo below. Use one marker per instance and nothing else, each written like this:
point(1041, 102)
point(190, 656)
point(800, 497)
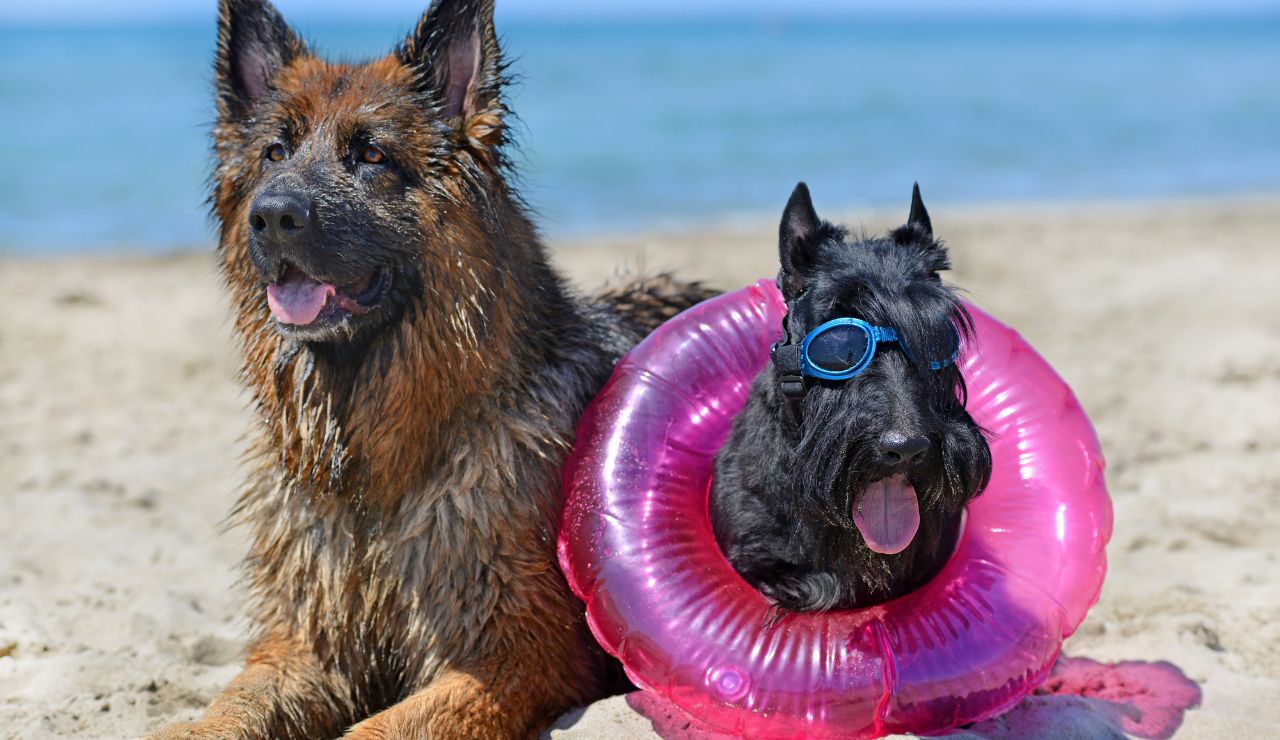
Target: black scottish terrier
point(832, 494)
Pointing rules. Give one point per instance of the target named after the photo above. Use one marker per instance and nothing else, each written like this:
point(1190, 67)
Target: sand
point(121, 421)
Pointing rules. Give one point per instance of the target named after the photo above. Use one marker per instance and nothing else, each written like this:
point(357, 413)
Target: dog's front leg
point(455, 705)
point(538, 675)
point(283, 692)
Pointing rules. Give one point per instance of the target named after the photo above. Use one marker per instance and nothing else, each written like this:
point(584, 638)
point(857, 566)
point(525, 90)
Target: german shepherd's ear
point(254, 44)
point(454, 50)
point(798, 235)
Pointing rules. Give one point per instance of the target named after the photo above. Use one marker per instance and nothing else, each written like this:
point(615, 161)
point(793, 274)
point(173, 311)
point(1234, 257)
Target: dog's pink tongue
point(887, 515)
point(298, 299)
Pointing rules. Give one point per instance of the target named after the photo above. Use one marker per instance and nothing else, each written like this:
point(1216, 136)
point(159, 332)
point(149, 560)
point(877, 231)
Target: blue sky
point(135, 10)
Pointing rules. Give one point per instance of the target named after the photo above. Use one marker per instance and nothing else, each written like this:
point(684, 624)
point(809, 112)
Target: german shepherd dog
point(844, 479)
point(417, 369)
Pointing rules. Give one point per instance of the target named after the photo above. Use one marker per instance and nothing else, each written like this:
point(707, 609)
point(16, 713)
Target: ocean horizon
point(638, 125)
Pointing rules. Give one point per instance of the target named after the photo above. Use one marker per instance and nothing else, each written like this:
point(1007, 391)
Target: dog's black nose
point(280, 216)
point(897, 448)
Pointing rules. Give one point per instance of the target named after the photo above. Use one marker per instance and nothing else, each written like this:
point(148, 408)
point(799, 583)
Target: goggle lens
point(839, 348)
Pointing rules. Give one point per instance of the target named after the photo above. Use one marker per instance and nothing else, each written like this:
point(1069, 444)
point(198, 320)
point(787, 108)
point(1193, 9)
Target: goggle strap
point(884, 334)
point(792, 387)
point(786, 360)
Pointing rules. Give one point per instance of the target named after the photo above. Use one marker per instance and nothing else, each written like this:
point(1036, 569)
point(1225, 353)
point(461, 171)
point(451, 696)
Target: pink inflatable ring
point(636, 546)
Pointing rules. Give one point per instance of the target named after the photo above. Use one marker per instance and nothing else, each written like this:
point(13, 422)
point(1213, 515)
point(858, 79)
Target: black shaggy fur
point(787, 479)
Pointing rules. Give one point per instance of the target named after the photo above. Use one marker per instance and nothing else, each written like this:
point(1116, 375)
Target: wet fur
point(785, 486)
point(404, 489)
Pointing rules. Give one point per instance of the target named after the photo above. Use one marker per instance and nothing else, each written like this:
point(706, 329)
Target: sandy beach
point(121, 424)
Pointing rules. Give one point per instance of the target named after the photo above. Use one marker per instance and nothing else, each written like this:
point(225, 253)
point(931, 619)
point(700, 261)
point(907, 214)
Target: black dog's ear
point(454, 49)
point(254, 44)
point(798, 232)
point(919, 217)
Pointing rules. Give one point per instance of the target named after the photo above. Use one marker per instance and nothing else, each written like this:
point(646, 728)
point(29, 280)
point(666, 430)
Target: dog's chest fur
point(399, 583)
point(375, 579)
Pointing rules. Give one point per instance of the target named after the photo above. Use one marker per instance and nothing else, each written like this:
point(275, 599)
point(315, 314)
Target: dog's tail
point(644, 303)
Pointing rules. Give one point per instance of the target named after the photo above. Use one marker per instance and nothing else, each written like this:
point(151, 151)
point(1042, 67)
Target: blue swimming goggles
point(836, 350)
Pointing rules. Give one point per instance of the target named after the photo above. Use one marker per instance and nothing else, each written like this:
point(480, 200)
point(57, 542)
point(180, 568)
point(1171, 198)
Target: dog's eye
point(275, 152)
point(372, 155)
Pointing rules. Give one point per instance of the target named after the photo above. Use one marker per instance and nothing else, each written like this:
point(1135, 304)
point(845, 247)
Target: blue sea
point(641, 125)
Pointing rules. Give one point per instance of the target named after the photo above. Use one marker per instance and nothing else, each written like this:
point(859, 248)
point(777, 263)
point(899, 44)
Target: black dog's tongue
point(887, 514)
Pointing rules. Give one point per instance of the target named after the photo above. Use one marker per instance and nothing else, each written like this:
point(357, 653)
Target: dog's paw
point(815, 592)
point(371, 729)
point(199, 730)
point(773, 615)
point(184, 731)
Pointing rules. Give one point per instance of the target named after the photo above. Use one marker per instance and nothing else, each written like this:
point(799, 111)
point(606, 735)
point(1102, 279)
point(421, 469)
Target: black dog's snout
point(280, 216)
point(897, 448)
